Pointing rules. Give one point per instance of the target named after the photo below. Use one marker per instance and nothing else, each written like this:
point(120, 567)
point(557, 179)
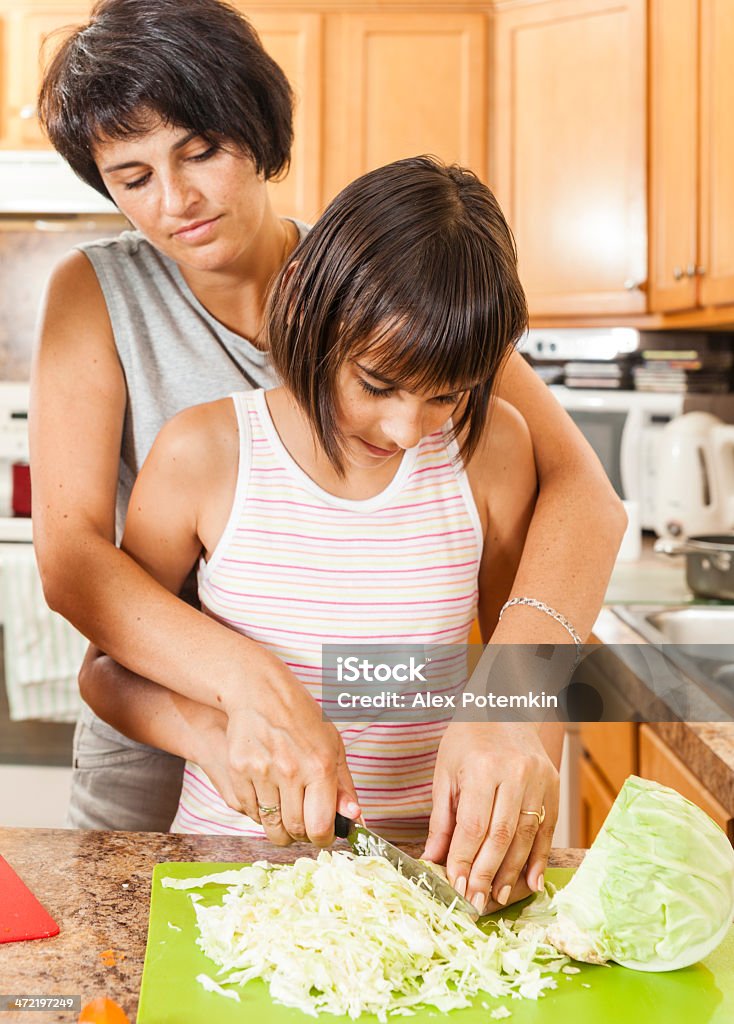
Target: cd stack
point(596, 373)
point(701, 369)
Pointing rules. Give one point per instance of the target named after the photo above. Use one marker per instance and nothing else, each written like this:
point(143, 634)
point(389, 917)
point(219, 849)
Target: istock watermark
point(401, 683)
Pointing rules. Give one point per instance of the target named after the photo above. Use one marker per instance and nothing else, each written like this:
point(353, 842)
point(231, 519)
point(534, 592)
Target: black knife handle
point(342, 826)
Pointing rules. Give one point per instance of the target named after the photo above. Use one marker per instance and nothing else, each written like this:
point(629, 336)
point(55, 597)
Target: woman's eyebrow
point(138, 163)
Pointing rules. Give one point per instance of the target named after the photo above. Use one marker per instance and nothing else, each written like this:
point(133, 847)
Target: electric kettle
point(695, 480)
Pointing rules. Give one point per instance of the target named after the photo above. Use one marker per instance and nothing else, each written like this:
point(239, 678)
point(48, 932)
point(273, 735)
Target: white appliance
point(695, 487)
point(39, 181)
point(623, 427)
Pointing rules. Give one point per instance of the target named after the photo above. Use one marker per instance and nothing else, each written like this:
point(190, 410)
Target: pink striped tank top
point(297, 567)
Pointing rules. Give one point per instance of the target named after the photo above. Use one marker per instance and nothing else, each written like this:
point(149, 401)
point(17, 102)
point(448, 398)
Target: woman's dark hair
point(415, 264)
point(196, 64)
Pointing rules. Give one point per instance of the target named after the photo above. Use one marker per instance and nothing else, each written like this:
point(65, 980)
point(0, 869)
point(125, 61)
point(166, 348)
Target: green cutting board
point(170, 994)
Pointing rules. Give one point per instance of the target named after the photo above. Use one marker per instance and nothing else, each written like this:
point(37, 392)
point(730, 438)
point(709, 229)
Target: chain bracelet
point(532, 602)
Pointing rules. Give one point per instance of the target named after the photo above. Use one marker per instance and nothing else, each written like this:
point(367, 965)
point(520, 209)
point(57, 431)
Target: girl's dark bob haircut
point(194, 64)
point(415, 264)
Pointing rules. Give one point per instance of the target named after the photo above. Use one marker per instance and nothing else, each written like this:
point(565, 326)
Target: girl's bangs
point(416, 351)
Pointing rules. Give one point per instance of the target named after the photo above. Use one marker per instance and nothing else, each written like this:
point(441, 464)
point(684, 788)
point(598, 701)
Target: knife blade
point(366, 843)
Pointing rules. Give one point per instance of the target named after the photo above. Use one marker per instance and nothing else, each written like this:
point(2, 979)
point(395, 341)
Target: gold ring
point(540, 816)
point(275, 809)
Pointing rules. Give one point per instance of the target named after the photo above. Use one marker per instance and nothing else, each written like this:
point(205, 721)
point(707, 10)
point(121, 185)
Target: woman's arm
point(488, 771)
point(78, 402)
point(78, 399)
point(576, 528)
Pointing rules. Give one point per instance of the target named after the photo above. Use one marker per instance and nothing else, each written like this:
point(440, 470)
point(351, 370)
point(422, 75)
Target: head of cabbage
point(656, 890)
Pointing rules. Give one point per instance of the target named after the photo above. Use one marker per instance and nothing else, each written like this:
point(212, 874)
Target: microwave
point(623, 428)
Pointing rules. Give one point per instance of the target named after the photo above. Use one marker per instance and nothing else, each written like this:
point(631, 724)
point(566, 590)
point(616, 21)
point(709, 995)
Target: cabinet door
point(659, 763)
point(404, 83)
point(596, 798)
point(717, 153)
point(32, 37)
point(613, 748)
point(673, 154)
point(294, 40)
point(570, 144)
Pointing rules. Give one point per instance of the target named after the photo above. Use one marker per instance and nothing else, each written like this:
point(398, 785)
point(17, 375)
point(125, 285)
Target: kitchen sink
point(696, 626)
point(697, 639)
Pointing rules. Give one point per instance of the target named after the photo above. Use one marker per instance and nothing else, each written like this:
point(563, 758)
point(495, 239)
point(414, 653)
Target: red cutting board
point(21, 915)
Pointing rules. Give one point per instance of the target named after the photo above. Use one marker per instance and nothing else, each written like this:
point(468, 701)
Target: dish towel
point(43, 652)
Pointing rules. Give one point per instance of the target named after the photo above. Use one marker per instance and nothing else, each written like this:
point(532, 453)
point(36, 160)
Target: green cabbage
point(656, 890)
point(351, 935)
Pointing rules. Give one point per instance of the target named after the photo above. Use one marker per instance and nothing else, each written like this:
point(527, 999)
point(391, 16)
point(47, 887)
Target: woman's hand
point(486, 774)
point(283, 754)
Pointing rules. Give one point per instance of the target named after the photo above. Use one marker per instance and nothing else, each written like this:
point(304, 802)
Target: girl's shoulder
point(201, 433)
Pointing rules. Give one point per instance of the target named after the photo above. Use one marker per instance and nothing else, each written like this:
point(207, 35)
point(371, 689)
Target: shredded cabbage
point(351, 935)
point(656, 890)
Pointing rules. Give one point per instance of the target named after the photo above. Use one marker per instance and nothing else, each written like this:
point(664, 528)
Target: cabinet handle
point(28, 112)
point(700, 271)
point(633, 284)
point(678, 273)
point(691, 270)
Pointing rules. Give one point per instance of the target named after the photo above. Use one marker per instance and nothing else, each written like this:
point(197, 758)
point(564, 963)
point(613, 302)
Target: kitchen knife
point(366, 843)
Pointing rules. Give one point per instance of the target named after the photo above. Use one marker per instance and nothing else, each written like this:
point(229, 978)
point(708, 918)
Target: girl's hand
point(486, 773)
point(283, 754)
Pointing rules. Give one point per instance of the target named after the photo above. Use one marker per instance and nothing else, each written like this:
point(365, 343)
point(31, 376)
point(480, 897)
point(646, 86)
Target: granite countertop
point(97, 887)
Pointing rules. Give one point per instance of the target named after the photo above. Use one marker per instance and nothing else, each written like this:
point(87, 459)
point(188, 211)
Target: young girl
point(378, 495)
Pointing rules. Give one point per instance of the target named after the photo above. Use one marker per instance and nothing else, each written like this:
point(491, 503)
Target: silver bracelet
point(542, 607)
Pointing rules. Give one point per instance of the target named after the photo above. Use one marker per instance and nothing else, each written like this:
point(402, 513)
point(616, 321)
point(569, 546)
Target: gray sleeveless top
point(174, 354)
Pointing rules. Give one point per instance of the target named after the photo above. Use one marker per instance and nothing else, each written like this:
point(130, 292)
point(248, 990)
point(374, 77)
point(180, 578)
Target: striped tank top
point(297, 567)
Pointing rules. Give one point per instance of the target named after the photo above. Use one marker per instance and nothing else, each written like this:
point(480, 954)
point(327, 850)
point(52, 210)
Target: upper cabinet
point(29, 33)
point(401, 82)
point(613, 148)
point(375, 82)
point(604, 126)
point(569, 154)
point(691, 154)
point(295, 39)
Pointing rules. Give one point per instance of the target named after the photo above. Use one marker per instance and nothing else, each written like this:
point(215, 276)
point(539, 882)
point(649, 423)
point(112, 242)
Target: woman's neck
point(236, 295)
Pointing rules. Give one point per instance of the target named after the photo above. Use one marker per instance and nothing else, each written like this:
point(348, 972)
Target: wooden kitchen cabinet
point(691, 154)
point(659, 763)
point(404, 82)
point(294, 38)
point(595, 801)
point(373, 82)
point(612, 751)
point(30, 33)
point(570, 153)
point(613, 748)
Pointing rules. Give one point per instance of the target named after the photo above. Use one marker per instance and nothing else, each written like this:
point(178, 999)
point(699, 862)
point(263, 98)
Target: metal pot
point(709, 563)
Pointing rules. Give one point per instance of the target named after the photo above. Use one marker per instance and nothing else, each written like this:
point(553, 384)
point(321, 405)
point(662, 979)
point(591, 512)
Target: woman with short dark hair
point(170, 314)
